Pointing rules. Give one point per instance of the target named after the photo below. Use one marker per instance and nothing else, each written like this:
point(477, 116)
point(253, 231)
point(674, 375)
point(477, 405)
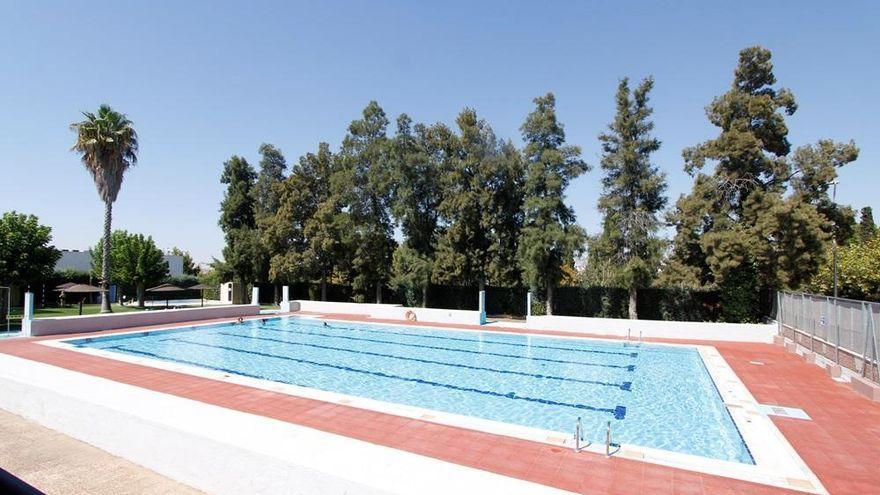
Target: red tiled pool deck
point(841, 444)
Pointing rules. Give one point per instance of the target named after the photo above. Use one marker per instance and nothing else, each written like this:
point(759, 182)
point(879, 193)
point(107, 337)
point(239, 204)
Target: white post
point(482, 304)
point(528, 305)
point(285, 299)
point(255, 296)
point(28, 316)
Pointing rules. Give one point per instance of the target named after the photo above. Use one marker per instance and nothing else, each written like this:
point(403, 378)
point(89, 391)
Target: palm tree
point(108, 146)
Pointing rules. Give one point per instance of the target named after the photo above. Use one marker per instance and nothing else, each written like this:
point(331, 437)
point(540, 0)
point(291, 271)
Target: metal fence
point(843, 330)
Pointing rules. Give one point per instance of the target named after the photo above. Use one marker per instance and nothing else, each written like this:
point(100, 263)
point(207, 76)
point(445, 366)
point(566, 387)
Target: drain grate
point(784, 412)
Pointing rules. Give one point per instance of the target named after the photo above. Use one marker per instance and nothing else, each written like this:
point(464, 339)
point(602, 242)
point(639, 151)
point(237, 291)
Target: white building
point(81, 261)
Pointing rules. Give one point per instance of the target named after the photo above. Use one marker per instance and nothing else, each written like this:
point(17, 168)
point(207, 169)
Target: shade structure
point(165, 288)
point(80, 289)
point(62, 287)
point(201, 288)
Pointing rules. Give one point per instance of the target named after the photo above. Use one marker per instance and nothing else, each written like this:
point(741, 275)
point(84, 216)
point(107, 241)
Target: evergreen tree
point(306, 234)
point(867, 228)
point(243, 253)
point(272, 167)
point(463, 249)
point(633, 194)
point(738, 229)
point(550, 237)
point(419, 155)
point(481, 208)
point(364, 185)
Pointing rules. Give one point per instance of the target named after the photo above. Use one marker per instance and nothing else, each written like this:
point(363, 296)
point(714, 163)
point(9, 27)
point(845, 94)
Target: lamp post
point(834, 238)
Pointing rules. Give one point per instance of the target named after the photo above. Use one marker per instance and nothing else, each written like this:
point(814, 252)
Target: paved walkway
point(841, 444)
point(57, 464)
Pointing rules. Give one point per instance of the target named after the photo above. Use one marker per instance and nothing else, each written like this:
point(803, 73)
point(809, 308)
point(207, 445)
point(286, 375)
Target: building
point(81, 261)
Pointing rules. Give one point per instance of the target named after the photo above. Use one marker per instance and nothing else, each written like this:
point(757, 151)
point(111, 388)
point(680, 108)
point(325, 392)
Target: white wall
point(389, 311)
point(117, 321)
point(686, 330)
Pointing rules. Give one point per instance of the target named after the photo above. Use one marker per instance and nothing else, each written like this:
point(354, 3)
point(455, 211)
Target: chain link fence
point(842, 330)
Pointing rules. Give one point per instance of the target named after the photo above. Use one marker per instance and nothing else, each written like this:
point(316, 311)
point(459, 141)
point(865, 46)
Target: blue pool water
point(655, 396)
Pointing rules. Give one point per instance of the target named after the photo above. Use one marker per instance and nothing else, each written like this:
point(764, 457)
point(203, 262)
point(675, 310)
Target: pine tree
point(419, 155)
point(738, 229)
point(463, 249)
point(306, 235)
point(272, 167)
point(364, 183)
point(550, 237)
point(481, 207)
point(633, 194)
point(243, 254)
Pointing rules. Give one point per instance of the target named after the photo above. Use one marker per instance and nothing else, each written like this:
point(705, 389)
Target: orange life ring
point(411, 315)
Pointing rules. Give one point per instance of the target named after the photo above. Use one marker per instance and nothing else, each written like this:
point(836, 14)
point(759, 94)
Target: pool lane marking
point(628, 367)
point(623, 386)
point(479, 341)
point(619, 412)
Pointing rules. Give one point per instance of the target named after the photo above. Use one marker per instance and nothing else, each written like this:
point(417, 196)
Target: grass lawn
point(88, 309)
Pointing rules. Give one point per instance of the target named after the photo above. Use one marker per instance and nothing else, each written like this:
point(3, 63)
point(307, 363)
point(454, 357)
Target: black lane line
point(619, 412)
point(628, 367)
point(623, 386)
point(483, 341)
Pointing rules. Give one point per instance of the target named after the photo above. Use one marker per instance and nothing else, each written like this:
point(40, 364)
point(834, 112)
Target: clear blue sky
point(205, 80)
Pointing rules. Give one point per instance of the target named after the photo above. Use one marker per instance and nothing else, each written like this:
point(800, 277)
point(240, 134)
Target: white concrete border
point(114, 321)
point(776, 461)
point(391, 312)
point(224, 451)
point(657, 329)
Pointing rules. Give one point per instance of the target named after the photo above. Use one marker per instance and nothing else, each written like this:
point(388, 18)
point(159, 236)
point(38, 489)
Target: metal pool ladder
point(579, 437)
point(629, 336)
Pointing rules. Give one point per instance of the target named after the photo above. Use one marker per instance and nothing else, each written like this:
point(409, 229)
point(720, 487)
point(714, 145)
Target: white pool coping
point(776, 461)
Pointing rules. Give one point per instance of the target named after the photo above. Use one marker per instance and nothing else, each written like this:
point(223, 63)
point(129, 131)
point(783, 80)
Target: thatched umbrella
point(165, 288)
point(80, 289)
point(201, 288)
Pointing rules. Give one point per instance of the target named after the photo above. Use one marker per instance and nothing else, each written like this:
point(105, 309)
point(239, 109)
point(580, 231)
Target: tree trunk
point(323, 290)
point(140, 294)
point(379, 292)
point(633, 298)
point(105, 261)
point(425, 296)
point(481, 286)
point(549, 299)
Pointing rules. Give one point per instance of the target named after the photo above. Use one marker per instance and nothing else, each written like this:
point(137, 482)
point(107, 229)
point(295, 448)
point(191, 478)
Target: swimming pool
point(655, 396)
